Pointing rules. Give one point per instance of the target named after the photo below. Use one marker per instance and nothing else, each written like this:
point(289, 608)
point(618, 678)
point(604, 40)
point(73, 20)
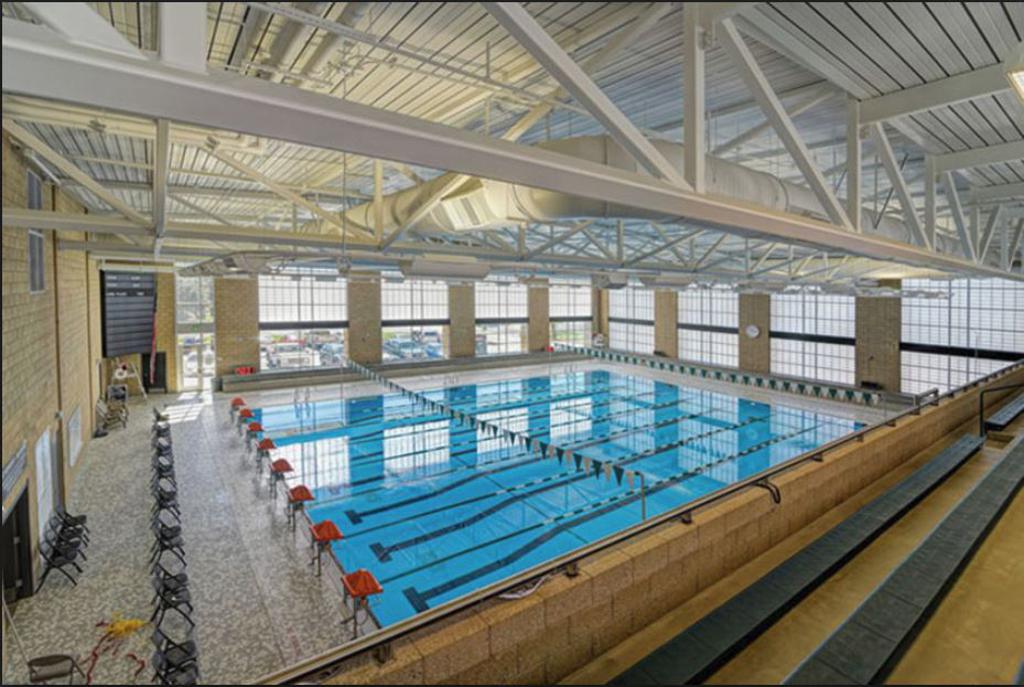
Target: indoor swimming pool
point(436, 509)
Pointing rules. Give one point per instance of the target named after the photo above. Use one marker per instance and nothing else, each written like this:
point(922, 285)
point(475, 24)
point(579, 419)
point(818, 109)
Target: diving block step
point(869, 644)
point(697, 652)
point(1007, 414)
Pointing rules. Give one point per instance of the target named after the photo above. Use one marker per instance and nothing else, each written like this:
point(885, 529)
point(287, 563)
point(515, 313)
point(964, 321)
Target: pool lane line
point(357, 516)
point(375, 437)
point(375, 414)
point(418, 600)
point(383, 552)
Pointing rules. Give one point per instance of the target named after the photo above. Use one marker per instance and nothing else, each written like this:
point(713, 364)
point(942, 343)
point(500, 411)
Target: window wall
point(501, 317)
point(303, 320)
point(570, 314)
point(708, 325)
point(414, 319)
point(975, 327)
point(812, 336)
point(631, 320)
point(194, 327)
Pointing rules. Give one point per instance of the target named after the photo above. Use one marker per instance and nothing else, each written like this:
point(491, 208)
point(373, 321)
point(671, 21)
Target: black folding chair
point(167, 600)
point(57, 559)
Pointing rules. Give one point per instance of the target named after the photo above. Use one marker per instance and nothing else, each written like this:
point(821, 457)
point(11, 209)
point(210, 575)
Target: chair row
point(176, 656)
point(65, 538)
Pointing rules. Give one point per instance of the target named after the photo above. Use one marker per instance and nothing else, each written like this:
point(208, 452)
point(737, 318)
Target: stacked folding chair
point(65, 538)
point(175, 656)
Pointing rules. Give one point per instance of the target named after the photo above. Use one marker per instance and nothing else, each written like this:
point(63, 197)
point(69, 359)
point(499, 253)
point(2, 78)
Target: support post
point(853, 163)
point(693, 103)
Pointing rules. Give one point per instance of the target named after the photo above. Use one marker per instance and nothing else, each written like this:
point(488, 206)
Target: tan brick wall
point(538, 312)
point(599, 306)
point(879, 323)
point(364, 332)
point(44, 375)
point(542, 638)
point(236, 305)
point(755, 355)
point(666, 319)
point(166, 336)
point(462, 314)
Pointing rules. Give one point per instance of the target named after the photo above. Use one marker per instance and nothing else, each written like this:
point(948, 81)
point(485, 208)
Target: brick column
point(166, 336)
point(755, 354)
point(462, 314)
point(236, 305)
point(879, 323)
point(539, 327)
point(364, 334)
point(666, 320)
point(599, 306)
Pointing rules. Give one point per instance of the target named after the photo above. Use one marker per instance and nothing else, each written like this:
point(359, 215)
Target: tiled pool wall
point(569, 621)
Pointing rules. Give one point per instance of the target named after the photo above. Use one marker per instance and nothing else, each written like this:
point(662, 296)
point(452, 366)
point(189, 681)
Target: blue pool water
point(436, 510)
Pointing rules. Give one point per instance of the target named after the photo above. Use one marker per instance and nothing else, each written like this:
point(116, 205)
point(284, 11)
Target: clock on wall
point(752, 331)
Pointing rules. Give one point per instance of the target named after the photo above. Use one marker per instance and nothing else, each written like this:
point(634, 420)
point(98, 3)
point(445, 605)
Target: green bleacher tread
point(872, 640)
point(731, 626)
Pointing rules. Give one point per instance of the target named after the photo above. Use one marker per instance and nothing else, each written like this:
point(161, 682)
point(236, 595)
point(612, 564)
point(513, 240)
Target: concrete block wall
point(878, 329)
point(666, 321)
point(542, 638)
point(49, 349)
point(462, 317)
point(236, 305)
point(755, 355)
point(539, 327)
point(364, 317)
point(166, 334)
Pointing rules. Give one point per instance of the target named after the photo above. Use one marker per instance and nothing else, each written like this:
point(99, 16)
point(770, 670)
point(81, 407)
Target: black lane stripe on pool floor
point(383, 552)
point(415, 596)
point(356, 517)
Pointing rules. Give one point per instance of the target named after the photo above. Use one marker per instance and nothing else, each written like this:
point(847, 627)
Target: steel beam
point(182, 34)
point(947, 91)
point(161, 170)
point(30, 140)
point(964, 159)
point(521, 25)
point(853, 164)
point(990, 231)
point(756, 81)
point(38, 63)
point(694, 108)
point(892, 169)
point(815, 98)
point(953, 199)
point(981, 194)
point(81, 24)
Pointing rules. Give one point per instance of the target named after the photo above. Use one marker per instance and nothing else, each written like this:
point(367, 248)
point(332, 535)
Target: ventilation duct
point(447, 270)
point(609, 280)
point(487, 204)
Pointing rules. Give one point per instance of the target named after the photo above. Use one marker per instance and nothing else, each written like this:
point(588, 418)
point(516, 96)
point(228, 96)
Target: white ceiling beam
point(811, 101)
point(710, 250)
point(285, 193)
point(521, 25)
point(853, 165)
point(561, 238)
point(955, 207)
point(598, 243)
point(81, 24)
point(989, 232)
point(892, 169)
point(756, 81)
point(982, 194)
point(182, 34)
point(29, 140)
point(161, 170)
point(964, 159)
point(1015, 244)
point(662, 247)
point(37, 63)
point(947, 91)
point(694, 104)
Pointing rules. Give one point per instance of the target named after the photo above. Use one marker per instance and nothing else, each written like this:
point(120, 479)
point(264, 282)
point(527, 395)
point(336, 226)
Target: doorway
point(197, 361)
point(16, 543)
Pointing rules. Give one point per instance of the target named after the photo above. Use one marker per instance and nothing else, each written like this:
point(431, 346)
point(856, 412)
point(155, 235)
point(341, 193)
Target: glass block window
point(631, 320)
point(977, 327)
point(303, 297)
point(813, 336)
point(708, 325)
point(501, 317)
point(193, 303)
point(570, 314)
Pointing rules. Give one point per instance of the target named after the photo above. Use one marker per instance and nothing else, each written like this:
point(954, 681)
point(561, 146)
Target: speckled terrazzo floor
point(259, 607)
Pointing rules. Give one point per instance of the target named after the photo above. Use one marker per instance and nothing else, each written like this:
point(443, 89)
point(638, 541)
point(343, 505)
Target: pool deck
point(259, 607)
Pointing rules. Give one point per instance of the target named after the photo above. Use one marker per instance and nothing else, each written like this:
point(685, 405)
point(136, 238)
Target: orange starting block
point(323, 534)
point(297, 498)
point(360, 586)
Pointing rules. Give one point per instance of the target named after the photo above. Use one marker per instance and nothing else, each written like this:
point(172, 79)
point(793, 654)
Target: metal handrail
point(982, 430)
point(375, 640)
